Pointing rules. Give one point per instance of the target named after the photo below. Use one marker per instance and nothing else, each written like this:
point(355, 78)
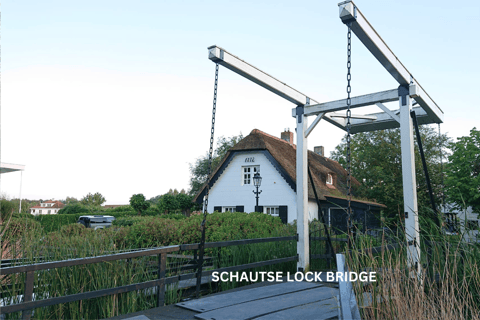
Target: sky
point(116, 96)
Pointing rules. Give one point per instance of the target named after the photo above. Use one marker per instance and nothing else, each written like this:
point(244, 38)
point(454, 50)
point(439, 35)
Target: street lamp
point(257, 182)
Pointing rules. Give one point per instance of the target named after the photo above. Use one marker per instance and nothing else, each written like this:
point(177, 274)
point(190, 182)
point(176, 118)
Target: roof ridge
point(271, 136)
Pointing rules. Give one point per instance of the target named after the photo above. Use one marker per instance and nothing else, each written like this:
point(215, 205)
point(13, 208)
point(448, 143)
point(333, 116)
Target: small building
point(464, 221)
point(47, 207)
point(231, 186)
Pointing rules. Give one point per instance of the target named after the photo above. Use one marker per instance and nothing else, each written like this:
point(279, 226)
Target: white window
point(49, 211)
point(228, 209)
point(329, 179)
point(271, 210)
point(247, 174)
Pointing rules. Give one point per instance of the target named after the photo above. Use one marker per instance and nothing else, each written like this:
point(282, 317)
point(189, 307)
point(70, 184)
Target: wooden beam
point(350, 14)
point(314, 124)
point(434, 112)
point(237, 65)
point(353, 116)
point(390, 112)
point(385, 121)
point(356, 102)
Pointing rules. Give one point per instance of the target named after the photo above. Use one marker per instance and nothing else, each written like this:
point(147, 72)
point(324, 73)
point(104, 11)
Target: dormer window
point(329, 179)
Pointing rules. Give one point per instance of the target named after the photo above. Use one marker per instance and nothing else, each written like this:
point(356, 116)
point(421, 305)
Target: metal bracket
point(299, 112)
point(403, 92)
point(406, 215)
point(415, 242)
point(298, 238)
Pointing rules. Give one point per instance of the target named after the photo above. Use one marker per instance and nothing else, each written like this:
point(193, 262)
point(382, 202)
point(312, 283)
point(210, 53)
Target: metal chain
point(349, 114)
point(210, 153)
point(205, 206)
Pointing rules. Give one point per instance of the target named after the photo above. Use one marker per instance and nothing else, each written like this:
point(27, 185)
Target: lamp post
point(257, 182)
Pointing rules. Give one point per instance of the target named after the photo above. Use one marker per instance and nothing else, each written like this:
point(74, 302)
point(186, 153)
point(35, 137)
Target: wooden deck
point(286, 300)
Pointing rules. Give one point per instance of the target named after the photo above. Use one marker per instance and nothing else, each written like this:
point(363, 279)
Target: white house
point(467, 220)
point(231, 186)
point(47, 207)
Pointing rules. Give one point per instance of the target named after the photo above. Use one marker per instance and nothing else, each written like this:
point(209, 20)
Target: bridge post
point(409, 180)
point(303, 245)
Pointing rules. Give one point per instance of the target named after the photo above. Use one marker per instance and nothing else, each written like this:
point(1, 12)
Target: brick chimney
point(287, 136)
point(319, 150)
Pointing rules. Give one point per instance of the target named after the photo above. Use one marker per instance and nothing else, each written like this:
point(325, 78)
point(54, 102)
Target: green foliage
point(122, 209)
point(462, 180)
point(199, 169)
point(138, 202)
point(168, 203)
point(71, 200)
point(185, 202)
point(376, 164)
point(93, 199)
point(74, 208)
point(53, 222)
point(158, 231)
point(6, 209)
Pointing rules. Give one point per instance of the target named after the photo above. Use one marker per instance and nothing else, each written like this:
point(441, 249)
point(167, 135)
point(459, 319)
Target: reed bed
point(448, 286)
point(74, 241)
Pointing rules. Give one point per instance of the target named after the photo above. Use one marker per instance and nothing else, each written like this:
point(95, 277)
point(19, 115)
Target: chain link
point(349, 114)
point(210, 152)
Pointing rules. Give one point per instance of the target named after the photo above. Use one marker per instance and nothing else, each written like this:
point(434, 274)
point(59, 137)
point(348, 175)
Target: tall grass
point(447, 287)
point(74, 241)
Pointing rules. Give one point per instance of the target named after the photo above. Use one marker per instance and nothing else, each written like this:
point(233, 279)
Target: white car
point(96, 222)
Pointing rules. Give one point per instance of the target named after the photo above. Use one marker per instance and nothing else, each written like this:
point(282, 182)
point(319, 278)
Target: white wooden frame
point(427, 112)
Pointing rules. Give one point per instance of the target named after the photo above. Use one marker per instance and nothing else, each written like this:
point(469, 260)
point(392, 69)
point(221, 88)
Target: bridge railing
point(29, 303)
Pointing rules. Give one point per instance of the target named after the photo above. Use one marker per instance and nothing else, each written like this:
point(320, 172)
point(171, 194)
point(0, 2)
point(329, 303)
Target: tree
point(138, 202)
point(185, 202)
point(199, 169)
point(376, 162)
point(71, 200)
point(155, 200)
point(168, 203)
point(93, 199)
point(462, 182)
point(74, 208)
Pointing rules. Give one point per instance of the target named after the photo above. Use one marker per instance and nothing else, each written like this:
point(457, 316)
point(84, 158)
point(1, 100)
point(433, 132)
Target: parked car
point(96, 222)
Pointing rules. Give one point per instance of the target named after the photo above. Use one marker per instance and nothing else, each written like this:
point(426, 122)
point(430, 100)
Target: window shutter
point(283, 213)
point(219, 209)
point(259, 209)
point(239, 209)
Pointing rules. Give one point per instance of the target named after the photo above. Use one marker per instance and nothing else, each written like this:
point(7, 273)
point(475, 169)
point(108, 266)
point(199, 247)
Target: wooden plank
point(232, 298)
point(348, 303)
point(262, 307)
point(321, 310)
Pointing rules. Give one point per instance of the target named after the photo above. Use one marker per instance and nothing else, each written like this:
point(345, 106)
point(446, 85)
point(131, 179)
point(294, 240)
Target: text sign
point(250, 159)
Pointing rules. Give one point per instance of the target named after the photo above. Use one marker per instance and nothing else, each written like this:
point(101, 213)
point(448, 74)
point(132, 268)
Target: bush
point(122, 209)
point(74, 209)
point(175, 229)
point(6, 209)
point(53, 222)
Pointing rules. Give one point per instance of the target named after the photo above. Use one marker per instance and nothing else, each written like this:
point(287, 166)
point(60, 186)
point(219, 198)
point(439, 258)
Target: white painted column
point(409, 180)
point(303, 245)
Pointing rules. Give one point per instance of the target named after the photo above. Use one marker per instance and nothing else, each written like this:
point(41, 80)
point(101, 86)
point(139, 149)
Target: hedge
point(53, 222)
